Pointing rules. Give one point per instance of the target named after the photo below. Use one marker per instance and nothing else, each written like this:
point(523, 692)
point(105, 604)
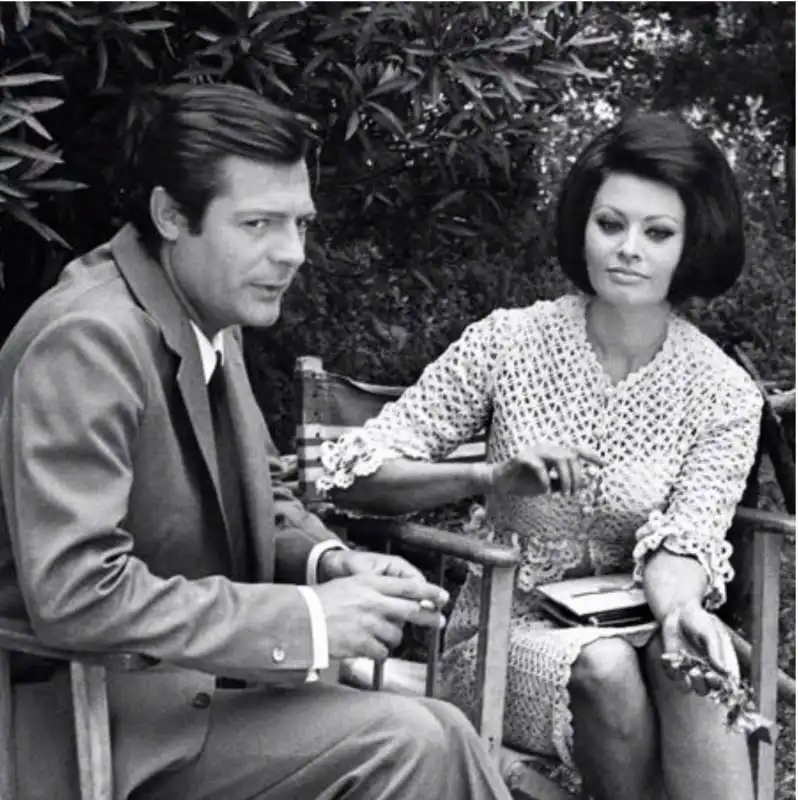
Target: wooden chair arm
point(744, 650)
point(425, 537)
point(18, 636)
point(765, 521)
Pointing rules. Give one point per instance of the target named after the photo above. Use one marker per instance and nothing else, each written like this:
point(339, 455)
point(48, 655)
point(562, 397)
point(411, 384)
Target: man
point(138, 511)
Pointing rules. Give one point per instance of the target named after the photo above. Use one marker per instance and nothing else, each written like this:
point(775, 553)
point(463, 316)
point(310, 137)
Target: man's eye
point(659, 234)
point(256, 224)
point(609, 225)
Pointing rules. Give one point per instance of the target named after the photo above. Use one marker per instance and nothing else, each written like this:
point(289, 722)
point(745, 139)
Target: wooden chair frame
point(765, 529)
point(88, 678)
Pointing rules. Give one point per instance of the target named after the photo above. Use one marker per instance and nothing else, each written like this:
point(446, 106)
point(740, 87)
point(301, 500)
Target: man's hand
point(342, 563)
point(544, 467)
point(365, 612)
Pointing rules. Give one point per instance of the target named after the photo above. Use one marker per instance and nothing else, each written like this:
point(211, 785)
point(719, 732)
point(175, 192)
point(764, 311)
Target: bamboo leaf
point(102, 64)
point(29, 151)
point(37, 126)
point(393, 122)
point(132, 8)
point(8, 189)
point(54, 30)
point(23, 14)
point(150, 25)
point(37, 105)
point(27, 79)
point(56, 185)
point(270, 76)
point(510, 87)
point(208, 36)
point(9, 162)
point(10, 124)
point(397, 84)
point(45, 231)
point(141, 56)
point(452, 197)
point(36, 170)
point(352, 125)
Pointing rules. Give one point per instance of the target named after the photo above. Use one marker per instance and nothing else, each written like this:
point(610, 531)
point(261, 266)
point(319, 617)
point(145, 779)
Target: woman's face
point(633, 240)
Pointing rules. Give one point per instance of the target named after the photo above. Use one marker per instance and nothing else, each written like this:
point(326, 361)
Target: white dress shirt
point(209, 349)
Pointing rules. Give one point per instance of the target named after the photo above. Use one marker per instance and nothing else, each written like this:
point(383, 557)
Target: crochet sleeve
point(703, 501)
point(448, 405)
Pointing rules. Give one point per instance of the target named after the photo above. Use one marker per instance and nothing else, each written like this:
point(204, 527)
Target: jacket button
point(278, 655)
point(201, 700)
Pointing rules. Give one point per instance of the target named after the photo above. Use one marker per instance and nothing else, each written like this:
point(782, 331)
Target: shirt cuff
point(312, 574)
point(318, 633)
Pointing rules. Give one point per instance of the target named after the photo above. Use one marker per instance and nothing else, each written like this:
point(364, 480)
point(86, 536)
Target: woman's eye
point(659, 234)
point(609, 225)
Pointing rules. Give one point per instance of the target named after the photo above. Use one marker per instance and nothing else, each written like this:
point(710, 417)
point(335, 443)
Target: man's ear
point(166, 215)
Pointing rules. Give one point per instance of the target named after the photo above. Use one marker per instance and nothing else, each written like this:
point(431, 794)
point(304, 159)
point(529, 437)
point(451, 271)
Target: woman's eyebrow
point(651, 217)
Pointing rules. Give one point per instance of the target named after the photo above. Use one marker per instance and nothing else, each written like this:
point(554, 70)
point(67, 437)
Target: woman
point(650, 430)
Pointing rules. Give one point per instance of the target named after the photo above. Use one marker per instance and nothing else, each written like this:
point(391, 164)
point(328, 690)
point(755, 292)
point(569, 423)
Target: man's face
point(251, 244)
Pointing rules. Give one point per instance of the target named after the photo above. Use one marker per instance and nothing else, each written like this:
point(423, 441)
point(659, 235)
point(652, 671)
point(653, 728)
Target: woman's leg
point(700, 756)
point(615, 726)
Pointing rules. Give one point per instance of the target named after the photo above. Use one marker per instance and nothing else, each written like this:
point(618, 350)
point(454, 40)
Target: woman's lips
point(622, 275)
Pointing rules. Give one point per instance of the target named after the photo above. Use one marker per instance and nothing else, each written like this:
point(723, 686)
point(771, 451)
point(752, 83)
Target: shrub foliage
point(443, 130)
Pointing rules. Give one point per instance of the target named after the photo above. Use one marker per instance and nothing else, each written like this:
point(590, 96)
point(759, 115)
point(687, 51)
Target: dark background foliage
point(443, 131)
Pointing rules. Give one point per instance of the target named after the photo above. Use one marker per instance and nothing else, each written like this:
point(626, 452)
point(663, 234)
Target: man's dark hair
point(661, 147)
point(193, 131)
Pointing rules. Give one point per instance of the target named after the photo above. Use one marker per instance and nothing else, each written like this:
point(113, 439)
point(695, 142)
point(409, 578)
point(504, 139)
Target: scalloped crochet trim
point(713, 555)
point(354, 455)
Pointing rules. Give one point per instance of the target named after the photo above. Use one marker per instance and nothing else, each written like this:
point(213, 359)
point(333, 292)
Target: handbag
point(598, 600)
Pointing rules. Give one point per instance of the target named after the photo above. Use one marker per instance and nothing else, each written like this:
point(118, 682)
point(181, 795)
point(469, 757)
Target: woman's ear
point(166, 215)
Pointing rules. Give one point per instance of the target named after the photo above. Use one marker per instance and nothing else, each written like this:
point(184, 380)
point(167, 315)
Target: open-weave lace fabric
point(678, 438)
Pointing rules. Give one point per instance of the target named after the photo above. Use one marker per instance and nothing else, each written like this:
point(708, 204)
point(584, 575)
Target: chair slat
point(492, 647)
point(92, 730)
point(7, 778)
point(764, 668)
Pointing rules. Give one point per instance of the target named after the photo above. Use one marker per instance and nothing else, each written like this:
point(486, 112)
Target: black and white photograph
point(397, 400)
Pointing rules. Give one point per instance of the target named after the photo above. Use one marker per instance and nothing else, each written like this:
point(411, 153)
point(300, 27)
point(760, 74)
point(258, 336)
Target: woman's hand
point(691, 628)
point(544, 467)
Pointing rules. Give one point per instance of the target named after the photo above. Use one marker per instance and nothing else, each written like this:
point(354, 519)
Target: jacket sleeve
point(298, 530)
point(703, 500)
point(68, 433)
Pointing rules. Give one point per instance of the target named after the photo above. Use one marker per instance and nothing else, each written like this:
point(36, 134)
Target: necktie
point(229, 473)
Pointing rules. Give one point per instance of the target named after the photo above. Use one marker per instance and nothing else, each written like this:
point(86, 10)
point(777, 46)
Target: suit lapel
point(255, 477)
point(149, 285)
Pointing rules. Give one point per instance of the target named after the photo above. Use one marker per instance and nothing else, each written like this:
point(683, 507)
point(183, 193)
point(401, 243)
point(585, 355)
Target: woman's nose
point(629, 247)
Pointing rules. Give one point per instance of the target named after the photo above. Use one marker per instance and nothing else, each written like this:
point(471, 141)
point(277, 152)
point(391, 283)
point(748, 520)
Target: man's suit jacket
point(112, 534)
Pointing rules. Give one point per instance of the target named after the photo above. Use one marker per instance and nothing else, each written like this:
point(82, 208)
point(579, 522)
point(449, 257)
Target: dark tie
point(229, 473)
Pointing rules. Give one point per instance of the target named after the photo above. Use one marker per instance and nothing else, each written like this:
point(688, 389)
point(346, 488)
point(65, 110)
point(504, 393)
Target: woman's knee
point(605, 669)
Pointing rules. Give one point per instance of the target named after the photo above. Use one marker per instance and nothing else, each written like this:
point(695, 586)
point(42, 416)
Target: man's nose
point(290, 248)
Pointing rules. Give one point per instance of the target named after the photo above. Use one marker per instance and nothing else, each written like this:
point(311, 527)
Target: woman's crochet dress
point(678, 438)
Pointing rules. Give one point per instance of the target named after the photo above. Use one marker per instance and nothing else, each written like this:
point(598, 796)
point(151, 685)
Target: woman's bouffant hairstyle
point(664, 148)
point(193, 131)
